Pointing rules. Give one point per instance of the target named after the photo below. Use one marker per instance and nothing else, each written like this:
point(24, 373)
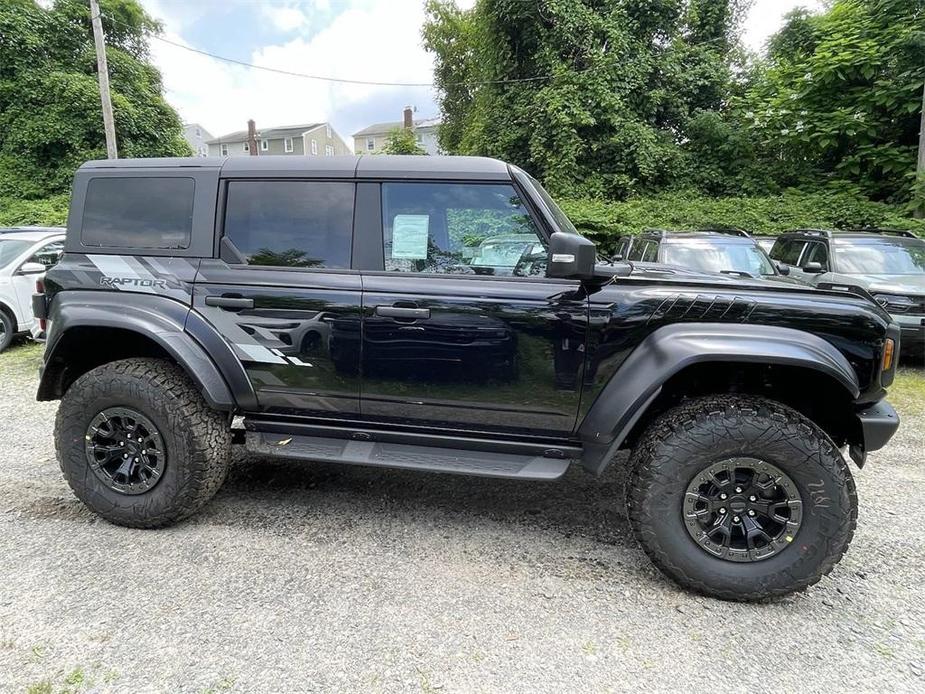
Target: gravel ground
point(320, 578)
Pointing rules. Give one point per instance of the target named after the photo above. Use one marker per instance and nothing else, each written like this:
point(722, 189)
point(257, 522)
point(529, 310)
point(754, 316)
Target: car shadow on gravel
point(579, 504)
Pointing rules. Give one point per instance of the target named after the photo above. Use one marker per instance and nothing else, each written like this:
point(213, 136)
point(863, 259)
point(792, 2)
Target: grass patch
point(907, 394)
point(21, 357)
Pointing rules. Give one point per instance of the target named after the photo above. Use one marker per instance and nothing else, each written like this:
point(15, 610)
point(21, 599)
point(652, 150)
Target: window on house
point(138, 212)
point(264, 145)
point(328, 151)
point(198, 132)
point(224, 150)
point(247, 146)
point(370, 144)
point(459, 228)
point(291, 223)
point(314, 147)
point(287, 145)
point(327, 130)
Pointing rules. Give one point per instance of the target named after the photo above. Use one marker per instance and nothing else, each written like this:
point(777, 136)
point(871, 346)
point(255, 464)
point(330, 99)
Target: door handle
point(229, 302)
point(403, 312)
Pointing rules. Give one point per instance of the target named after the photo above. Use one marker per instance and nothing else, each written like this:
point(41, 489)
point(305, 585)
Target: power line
point(325, 78)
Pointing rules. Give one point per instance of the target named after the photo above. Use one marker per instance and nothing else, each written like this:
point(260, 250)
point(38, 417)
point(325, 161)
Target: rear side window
point(305, 224)
point(138, 212)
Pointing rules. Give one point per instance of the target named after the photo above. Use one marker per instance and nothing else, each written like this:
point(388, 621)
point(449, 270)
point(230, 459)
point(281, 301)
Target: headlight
point(892, 302)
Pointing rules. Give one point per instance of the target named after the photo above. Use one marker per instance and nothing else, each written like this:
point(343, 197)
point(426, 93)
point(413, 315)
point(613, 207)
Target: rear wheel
point(6, 330)
point(740, 498)
point(138, 444)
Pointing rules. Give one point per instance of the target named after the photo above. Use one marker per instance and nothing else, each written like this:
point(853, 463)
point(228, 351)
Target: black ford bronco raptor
point(442, 314)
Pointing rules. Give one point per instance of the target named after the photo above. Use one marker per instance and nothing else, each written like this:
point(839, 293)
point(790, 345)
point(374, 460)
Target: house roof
point(266, 133)
point(382, 128)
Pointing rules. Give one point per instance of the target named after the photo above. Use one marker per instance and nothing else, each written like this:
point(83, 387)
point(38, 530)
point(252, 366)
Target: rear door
point(283, 296)
point(461, 328)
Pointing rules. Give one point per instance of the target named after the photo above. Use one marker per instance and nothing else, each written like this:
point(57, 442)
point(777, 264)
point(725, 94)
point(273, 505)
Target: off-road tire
point(197, 441)
point(684, 441)
point(7, 329)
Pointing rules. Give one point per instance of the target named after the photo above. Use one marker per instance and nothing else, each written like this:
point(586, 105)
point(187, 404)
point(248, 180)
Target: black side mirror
point(571, 257)
point(813, 268)
point(783, 268)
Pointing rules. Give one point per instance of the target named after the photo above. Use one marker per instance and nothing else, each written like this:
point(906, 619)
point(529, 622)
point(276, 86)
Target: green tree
point(50, 113)
point(401, 141)
point(838, 97)
point(607, 88)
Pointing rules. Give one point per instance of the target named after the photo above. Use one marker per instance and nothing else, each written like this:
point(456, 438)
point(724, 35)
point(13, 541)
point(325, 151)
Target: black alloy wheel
point(125, 450)
point(742, 510)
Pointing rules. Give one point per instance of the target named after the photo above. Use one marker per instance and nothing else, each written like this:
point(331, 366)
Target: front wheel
point(740, 498)
point(138, 444)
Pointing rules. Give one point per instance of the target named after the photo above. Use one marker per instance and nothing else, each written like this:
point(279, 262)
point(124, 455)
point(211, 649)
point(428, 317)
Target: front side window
point(138, 212)
point(712, 256)
point(650, 254)
point(302, 224)
point(460, 228)
point(880, 257)
point(816, 253)
point(787, 250)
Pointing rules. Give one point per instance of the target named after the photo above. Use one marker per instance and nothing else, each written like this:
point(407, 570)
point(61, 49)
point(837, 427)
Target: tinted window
point(787, 250)
point(291, 223)
point(816, 253)
point(637, 248)
point(49, 254)
point(10, 250)
point(650, 254)
point(459, 228)
point(138, 212)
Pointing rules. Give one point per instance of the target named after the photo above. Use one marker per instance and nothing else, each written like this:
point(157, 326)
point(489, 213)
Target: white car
point(25, 255)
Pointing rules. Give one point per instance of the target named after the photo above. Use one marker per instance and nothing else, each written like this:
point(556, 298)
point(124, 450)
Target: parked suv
point(25, 254)
point(888, 264)
point(193, 291)
point(727, 251)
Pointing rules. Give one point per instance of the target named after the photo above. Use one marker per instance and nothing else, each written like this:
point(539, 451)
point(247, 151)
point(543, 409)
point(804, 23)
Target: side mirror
point(783, 268)
point(813, 268)
point(31, 269)
point(571, 257)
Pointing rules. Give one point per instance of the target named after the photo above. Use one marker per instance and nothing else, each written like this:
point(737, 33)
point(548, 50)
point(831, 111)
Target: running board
point(406, 456)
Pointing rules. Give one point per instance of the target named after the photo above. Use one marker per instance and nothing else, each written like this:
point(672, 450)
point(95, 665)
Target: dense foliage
point(401, 141)
point(50, 113)
point(647, 97)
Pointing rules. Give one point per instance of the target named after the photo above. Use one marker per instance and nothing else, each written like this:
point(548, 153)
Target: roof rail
point(732, 231)
point(824, 233)
point(891, 232)
point(655, 232)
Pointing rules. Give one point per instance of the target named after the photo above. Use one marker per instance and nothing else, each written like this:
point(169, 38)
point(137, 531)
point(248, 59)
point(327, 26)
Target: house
point(311, 139)
point(197, 137)
point(372, 138)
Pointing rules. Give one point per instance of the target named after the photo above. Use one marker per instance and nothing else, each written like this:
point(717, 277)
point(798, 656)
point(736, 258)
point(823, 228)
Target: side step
point(405, 456)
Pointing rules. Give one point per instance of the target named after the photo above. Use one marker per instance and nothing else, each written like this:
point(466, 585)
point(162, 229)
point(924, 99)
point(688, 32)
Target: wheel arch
point(791, 366)
point(8, 310)
point(88, 331)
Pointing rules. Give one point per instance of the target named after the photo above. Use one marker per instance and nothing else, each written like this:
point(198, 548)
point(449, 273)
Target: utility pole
point(103, 70)
point(920, 167)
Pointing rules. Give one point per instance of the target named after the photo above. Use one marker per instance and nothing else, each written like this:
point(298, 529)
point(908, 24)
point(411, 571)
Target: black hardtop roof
point(354, 166)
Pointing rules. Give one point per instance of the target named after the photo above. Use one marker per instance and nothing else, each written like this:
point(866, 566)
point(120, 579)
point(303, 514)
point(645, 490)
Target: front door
point(283, 297)
point(461, 329)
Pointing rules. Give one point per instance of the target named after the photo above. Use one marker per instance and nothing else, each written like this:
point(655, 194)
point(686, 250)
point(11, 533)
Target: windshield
point(10, 249)
point(711, 256)
point(881, 257)
point(562, 221)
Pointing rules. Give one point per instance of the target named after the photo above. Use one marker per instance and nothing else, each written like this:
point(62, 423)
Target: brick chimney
point(252, 137)
point(407, 120)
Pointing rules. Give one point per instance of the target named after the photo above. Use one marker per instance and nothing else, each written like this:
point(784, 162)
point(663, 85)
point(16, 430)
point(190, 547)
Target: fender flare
point(162, 320)
point(670, 349)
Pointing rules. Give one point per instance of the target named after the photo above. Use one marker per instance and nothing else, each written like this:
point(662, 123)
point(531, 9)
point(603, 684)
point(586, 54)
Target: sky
point(375, 40)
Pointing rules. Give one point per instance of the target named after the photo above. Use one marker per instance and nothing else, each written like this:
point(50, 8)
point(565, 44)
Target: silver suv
point(888, 264)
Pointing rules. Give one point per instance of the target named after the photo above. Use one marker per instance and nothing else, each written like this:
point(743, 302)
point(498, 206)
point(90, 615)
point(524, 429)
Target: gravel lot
point(319, 578)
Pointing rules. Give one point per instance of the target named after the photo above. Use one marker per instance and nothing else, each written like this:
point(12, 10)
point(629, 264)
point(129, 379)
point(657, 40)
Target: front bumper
point(877, 425)
point(913, 335)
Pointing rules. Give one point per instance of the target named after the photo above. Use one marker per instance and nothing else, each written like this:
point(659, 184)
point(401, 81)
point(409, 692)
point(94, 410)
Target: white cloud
point(379, 43)
point(285, 18)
